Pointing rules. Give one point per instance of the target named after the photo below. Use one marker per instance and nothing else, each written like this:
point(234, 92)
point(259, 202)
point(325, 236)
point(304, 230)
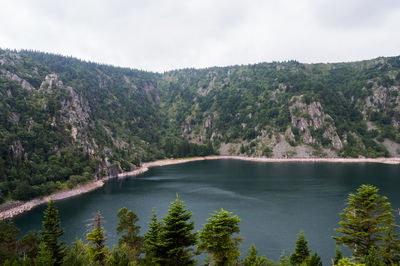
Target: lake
point(274, 200)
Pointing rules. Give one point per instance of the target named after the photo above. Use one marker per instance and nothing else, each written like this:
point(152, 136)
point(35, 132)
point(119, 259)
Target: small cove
point(273, 200)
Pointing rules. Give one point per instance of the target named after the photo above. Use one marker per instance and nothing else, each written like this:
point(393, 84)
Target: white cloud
point(161, 35)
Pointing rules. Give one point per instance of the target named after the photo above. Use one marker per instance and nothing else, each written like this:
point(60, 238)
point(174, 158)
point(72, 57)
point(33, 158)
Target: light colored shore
point(145, 166)
point(26, 206)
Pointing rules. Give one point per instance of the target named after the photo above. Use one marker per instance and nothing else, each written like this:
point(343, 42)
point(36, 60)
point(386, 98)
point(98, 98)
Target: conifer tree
point(177, 238)
point(52, 233)
point(302, 252)
point(28, 246)
point(78, 255)
point(338, 255)
point(283, 260)
point(373, 258)
point(366, 222)
point(152, 240)
point(127, 224)
point(44, 257)
point(97, 240)
point(8, 241)
point(252, 259)
point(123, 255)
point(216, 237)
point(390, 251)
point(315, 260)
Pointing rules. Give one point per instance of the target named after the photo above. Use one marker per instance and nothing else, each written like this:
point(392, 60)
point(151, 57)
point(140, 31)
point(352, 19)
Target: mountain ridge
point(65, 120)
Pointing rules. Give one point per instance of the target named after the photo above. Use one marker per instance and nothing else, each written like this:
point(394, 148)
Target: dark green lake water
point(273, 200)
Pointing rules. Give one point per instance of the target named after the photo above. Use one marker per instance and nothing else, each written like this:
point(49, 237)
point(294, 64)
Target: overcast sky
point(160, 35)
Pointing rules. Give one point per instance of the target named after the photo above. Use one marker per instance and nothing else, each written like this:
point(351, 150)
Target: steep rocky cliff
point(64, 120)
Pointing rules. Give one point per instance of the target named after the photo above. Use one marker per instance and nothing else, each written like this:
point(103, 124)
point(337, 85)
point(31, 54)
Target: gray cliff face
point(385, 100)
point(276, 109)
point(309, 117)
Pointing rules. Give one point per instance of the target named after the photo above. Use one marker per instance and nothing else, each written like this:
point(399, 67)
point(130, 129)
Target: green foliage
point(129, 116)
point(176, 238)
point(302, 252)
point(373, 258)
point(366, 221)
point(338, 255)
point(29, 245)
point(78, 255)
point(97, 240)
point(348, 262)
point(170, 243)
point(315, 260)
point(390, 251)
point(123, 255)
point(283, 260)
point(267, 151)
point(216, 237)
point(8, 241)
point(252, 259)
point(127, 224)
point(12, 248)
point(44, 257)
point(51, 234)
point(152, 240)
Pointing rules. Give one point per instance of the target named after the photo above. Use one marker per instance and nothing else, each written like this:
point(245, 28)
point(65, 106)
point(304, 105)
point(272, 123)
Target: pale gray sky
point(159, 35)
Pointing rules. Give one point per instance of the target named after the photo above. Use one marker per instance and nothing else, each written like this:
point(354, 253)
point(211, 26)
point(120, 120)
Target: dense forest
point(64, 121)
point(367, 228)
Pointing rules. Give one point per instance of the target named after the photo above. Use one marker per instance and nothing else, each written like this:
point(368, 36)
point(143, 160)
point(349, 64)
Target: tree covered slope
point(64, 120)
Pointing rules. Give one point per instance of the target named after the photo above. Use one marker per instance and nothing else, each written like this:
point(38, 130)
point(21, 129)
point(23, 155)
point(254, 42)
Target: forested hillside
point(64, 120)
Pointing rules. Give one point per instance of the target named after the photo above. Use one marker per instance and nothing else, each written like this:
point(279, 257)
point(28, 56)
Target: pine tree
point(373, 258)
point(28, 246)
point(97, 240)
point(152, 240)
point(127, 224)
point(216, 237)
point(176, 238)
point(78, 255)
point(390, 251)
point(366, 221)
point(252, 259)
point(44, 257)
point(315, 260)
point(338, 255)
point(8, 241)
point(302, 252)
point(283, 260)
point(51, 234)
point(123, 255)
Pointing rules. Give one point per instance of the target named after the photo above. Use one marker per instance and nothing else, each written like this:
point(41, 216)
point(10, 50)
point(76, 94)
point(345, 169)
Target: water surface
point(274, 200)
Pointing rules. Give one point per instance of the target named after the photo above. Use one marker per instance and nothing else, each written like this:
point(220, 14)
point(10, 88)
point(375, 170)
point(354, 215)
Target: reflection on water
point(274, 200)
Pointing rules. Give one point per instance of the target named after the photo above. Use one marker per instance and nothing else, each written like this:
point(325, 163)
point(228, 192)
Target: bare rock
point(24, 84)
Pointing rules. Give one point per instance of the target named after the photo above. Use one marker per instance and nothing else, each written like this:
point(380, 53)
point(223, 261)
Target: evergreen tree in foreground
point(177, 238)
point(78, 255)
point(338, 255)
point(152, 240)
point(216, 237)
point(127, 224)
point(97, 240)
point(366, 222)
point(302, 252)
point(51, 234)
point(252, 259)
point(315, 260)
point(123, 255)
point(8, 241)
point(44, 257)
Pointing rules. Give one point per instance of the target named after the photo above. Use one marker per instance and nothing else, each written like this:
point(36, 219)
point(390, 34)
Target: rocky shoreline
point(10, 210)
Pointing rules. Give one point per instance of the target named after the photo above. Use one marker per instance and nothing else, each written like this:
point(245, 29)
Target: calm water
point(273, 200)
